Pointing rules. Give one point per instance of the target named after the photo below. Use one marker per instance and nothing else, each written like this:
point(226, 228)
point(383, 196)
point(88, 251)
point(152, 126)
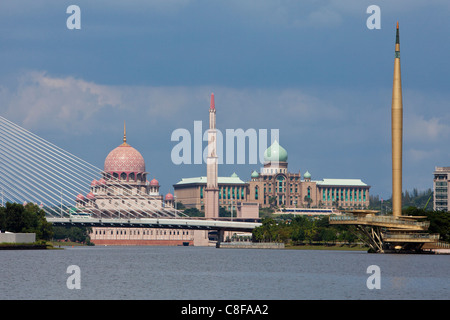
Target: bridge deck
point(381, 221)
point(159, 223)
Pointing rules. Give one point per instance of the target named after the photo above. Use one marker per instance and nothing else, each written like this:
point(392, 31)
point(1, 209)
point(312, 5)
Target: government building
point(275, 186)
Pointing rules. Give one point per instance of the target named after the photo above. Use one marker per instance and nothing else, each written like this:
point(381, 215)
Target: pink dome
point(154, 182)
point(90, 196)
point(169, 196)
point(80, 197)
point(94, 182)
point(101, 181)
point(124, 158)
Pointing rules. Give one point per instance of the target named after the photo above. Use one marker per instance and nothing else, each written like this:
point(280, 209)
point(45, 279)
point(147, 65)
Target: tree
point(308, 201)
point(193, 212)
point(29, 218)
point(272, 202)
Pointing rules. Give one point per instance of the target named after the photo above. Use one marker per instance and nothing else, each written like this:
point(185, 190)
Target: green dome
point(275, 153)
point(307, 175)
point(255, 174)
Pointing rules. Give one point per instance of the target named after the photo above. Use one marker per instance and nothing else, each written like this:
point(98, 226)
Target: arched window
point(123, 176)
point(280, 183)
point(256, 193)
point(131, 176)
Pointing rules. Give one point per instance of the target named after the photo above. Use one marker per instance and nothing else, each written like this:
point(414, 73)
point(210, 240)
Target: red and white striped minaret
point(212, 187)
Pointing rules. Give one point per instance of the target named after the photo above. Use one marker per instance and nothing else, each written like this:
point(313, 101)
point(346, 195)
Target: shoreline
point(25, 246)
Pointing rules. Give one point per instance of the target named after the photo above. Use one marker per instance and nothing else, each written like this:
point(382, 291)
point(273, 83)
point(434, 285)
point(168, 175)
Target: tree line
point(300, 229)
point(29, 218)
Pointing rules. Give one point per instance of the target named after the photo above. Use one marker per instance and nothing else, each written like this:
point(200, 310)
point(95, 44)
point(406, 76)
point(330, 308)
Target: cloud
point(431, 130)
point(66, 104)
point(322, 128)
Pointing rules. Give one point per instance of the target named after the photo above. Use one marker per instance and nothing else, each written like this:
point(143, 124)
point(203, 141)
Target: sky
point(313, 70)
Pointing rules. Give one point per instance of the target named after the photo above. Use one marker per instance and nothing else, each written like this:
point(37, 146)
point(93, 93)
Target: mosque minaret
point(212, 187)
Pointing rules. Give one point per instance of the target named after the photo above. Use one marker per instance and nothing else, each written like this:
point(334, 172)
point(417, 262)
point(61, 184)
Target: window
point(256, 193)
point(280, 183)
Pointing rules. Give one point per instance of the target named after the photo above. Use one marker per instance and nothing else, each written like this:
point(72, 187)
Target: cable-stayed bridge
point(37, 171)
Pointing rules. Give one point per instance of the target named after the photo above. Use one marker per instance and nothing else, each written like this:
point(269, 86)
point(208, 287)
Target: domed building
point(276, 186)
point(123, 191)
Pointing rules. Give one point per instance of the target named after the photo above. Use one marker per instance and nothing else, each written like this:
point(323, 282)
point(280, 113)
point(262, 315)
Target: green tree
point(15, 217)
point(193, 212)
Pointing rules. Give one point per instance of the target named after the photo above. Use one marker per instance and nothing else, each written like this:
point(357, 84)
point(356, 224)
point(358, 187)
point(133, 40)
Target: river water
point(199, 273)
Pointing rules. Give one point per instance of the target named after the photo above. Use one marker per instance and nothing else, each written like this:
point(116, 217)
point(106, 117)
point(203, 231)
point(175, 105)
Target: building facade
point(276, 186)
point(441, 188)
point(191, 192)
point(123, 191)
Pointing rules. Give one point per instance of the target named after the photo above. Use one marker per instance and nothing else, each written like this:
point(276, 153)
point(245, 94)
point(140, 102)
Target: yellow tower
point(397, 132)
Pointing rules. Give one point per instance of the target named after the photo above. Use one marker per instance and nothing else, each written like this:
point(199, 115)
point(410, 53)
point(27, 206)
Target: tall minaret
point(212, 188)
point(397, 132)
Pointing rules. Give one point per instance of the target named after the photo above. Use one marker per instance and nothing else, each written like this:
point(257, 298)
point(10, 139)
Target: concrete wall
point(17, 237)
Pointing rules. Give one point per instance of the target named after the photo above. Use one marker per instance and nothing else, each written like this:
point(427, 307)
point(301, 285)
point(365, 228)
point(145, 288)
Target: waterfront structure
point(397, 131)
point(441, 188)
point(396, 233)
point(124, 191)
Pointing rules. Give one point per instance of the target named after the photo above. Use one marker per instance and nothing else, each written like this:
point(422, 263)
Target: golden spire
point(397, 132)
point(124, 134)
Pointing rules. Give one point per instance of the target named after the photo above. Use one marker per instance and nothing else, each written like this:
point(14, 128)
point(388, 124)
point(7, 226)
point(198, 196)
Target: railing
point(380, 219)
point(409, 236)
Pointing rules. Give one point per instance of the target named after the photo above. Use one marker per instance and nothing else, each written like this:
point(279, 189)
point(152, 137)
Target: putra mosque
point(124, 191)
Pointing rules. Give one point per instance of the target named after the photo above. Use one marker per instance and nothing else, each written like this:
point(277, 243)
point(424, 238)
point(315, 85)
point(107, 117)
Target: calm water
point(210, 273)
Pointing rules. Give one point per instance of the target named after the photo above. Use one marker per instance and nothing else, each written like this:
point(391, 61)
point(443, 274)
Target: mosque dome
point(307, 175)
point(255, 174)
point(275, 153)
point(154, 182)
point(124, 158)
point(80, 197)
point(90, 196)
point(169, 196)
